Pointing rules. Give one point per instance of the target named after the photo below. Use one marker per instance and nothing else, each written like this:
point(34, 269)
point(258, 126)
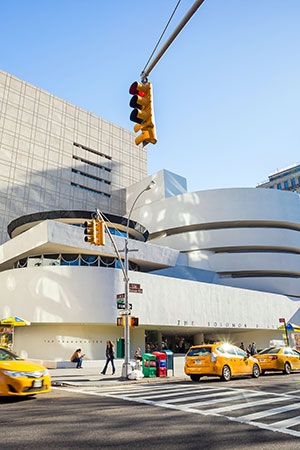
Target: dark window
point(293, 182)
point(286, 184)
point(279, 186)
point(202, 351)
point(269, 351)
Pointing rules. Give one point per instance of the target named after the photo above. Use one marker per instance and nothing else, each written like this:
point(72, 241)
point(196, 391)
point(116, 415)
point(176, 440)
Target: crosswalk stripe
point(216, 394)
point(170, 393)
point(270, 412)
point(247, 405)
point(287, 423)
point(219, 400)
point(141, 389)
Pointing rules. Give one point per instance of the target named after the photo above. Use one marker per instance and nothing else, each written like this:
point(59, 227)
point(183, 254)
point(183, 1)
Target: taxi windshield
point(267, 351)
point(6, 355)
point(201, 351)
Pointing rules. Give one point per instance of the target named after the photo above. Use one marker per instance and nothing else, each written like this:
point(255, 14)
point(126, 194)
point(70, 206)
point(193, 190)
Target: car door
point(243, 361)
point(297, 359)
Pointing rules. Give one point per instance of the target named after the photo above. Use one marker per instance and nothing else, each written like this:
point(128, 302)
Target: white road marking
point(287, 422)
point(247, 405)
point(270, 412)
point(216, 394)
point(173, 392)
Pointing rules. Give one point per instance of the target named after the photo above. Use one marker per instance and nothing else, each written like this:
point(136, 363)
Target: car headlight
point(36, 374)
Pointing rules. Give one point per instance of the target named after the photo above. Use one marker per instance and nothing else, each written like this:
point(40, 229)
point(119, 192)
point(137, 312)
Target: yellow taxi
point(222, 360)
point(20, 377)
point(284, 359)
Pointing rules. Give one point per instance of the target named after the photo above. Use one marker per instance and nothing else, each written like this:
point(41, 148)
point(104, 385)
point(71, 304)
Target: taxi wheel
point(226, 373)
point(195, 377)
point(287, 368)
point(255, 371)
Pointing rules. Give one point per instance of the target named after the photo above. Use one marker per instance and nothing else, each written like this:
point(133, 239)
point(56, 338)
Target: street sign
point(125, 312)
point(120, 296)
point(134, 286)
point(121, 301)
point(281, 320)
point(122, 306)
point(136, 290)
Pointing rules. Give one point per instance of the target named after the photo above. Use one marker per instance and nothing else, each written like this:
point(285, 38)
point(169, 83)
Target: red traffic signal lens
point(133, 88)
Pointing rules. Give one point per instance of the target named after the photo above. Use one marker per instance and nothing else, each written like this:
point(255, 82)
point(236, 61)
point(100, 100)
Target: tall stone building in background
point(57, 156)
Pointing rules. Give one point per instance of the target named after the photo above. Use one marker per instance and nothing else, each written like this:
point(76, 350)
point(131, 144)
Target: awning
point(14, 321)
point(290, 327)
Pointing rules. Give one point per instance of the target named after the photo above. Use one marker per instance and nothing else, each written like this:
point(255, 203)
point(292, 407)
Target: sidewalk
point(91, 377)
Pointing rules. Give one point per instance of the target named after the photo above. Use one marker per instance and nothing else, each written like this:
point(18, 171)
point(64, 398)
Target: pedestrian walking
point(249, 349)
point(242, 346)
point(77, 358)
point(110, 356)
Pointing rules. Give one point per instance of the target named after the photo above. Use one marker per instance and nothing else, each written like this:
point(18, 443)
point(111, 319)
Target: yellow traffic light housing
point(90, 231)
point(133, 321)
point(143, 114)
point(100, 234)
point(94, 231)
point(121, 321)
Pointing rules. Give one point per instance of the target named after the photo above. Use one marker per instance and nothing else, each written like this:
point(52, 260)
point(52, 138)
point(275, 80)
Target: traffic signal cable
point(158, 42)
point(189, 14)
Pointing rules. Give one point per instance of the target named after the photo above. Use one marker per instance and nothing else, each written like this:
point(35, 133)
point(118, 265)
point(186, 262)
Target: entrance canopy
point(14, 321)
point(290, 327)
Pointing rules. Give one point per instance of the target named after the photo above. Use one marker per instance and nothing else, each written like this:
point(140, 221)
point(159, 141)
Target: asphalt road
point(159, 416)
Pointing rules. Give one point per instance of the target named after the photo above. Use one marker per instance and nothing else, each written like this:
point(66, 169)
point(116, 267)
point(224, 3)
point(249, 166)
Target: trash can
point(161, 364)
point(149, 365)
point(170, 360)
point(120, 347)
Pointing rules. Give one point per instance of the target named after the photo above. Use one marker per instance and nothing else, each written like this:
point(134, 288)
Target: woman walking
point(110, 356)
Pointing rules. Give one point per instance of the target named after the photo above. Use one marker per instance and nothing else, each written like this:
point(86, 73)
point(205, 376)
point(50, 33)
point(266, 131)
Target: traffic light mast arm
point(189, 14)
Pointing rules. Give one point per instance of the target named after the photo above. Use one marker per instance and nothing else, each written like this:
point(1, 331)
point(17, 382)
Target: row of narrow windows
point(86, 161)
point(92, 151)
point(101, 180)
point(94, 191)
point(72, 260)
point(287, 184)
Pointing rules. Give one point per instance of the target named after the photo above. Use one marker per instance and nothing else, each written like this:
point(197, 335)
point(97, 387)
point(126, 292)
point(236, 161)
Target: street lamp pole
point(126, 369)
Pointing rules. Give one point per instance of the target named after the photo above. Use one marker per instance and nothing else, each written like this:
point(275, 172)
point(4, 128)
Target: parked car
point(19, 377)
point(223, 360)
point(284, 359)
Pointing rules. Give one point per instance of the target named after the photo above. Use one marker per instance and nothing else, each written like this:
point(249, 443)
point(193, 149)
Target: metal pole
point(189, 14)
point(126, 281)
point(286, 333)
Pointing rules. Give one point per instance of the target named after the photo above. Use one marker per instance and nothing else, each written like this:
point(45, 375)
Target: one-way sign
point(122, 305)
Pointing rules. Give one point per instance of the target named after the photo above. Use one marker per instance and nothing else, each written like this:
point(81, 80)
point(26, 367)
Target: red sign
point(282, 320)
point(137, 291)
point(120, 296)
point(134, 286)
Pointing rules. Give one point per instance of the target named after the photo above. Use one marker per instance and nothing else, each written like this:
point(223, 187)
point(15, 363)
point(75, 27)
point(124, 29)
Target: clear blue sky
point(226, 93)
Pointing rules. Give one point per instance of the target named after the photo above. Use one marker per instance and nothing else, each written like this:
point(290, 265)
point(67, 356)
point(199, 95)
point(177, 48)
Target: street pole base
point(127, 368)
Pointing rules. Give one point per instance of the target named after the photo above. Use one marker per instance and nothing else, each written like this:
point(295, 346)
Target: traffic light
point(100, 234)
point(133, 321)
point(94, 231)
point(90, 231)
point(120, 321)
point(143, 114)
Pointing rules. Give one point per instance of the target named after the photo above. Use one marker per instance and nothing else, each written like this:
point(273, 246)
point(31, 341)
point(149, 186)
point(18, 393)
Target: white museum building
point(217, 264)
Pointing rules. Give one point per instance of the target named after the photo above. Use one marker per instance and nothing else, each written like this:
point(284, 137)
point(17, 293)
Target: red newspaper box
point(161, 364)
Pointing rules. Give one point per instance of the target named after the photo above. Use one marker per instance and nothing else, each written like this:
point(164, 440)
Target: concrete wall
point(86, 296)
point(252, 234)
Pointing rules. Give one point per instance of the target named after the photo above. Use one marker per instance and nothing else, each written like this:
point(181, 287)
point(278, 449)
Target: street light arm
point(131, 209)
